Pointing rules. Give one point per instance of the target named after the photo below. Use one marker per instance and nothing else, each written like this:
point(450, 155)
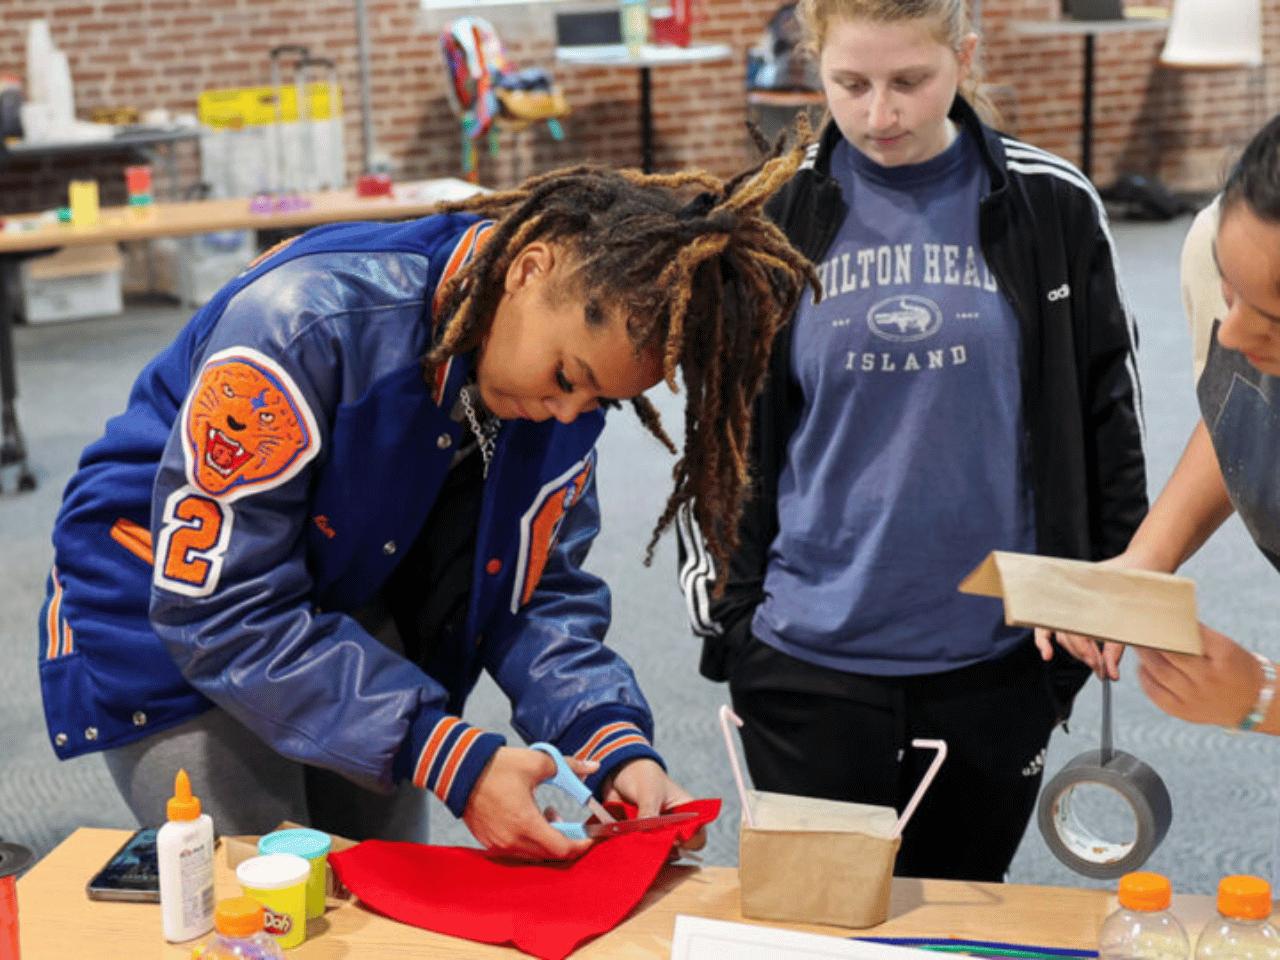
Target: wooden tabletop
point(30, 232)
point(58, 921)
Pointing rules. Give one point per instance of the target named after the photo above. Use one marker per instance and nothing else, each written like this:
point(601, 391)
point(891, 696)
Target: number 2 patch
point(193, 540)
point(245, 428)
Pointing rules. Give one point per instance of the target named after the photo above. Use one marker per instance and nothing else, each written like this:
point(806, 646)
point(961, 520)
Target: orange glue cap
point(182, 805)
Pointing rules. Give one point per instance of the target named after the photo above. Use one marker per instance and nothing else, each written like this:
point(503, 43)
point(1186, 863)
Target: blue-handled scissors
point(568, 781)
point(609, 826)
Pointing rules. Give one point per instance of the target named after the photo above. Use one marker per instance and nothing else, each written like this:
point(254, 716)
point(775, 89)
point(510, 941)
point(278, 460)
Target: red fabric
point(547, 910)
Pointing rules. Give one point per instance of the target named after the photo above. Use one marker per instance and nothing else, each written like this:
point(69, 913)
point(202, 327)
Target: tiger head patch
point(246, 426)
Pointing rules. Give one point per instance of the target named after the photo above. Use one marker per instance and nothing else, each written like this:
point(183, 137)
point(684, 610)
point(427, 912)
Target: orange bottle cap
point(1145, 891)
point(238, 917)
point(1246, 898)
point(182, 805)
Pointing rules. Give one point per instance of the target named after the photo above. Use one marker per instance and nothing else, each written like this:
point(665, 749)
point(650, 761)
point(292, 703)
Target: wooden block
point(1156, 610)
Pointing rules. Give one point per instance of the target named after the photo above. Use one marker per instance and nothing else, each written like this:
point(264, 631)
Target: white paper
point(697, 938)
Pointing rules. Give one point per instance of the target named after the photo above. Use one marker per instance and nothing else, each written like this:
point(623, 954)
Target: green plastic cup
point(313, 846)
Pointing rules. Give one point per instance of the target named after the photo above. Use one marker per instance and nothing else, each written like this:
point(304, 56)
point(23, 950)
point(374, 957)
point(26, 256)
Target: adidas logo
point(1036, 765)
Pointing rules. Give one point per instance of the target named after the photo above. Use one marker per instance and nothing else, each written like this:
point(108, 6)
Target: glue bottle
point(1241, 930)
point(1142, 928)
point(184, 855)
point(240, 934)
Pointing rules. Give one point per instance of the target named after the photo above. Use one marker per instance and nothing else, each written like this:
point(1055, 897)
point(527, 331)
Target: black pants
point(840, 736)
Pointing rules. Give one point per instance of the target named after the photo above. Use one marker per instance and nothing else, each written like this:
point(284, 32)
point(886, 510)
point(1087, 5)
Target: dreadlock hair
point(705, 280)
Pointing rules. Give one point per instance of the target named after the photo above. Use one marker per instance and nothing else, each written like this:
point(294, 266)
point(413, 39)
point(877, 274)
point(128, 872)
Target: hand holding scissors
point(608, 826)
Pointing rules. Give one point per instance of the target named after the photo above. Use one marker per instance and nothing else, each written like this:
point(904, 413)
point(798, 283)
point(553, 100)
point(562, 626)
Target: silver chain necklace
point(486, 433)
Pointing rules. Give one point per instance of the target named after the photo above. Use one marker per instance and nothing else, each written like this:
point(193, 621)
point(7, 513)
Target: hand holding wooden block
point(1136, 607)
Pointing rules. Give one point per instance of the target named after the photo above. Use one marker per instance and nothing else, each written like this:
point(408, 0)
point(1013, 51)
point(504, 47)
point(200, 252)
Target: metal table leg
point(13, 451)
point(646, 122)
point(1086, 110)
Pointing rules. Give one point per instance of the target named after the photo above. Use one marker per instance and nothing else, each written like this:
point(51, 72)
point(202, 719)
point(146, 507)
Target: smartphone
point(131, 873)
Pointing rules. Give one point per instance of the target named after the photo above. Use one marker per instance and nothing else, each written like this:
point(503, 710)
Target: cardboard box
point(816, 861)
point(209, 261)
point(74, 282)
point(189, 269)
point(1139, 607)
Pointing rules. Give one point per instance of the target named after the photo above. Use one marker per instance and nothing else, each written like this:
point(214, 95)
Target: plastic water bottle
point(634, 15)
point(1142, 928)
point(1241, 930)
point(240, 935)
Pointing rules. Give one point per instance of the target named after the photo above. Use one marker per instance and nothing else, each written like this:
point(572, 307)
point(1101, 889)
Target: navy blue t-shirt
point(908, 464)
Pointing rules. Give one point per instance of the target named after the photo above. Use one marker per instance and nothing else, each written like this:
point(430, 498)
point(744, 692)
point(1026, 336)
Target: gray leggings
point(248, 788)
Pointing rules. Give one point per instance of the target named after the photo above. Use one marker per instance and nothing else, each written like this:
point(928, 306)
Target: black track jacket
point(1044, 234)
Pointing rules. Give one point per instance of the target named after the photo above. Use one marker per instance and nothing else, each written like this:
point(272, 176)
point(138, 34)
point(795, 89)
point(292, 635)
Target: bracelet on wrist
point(1266, 693)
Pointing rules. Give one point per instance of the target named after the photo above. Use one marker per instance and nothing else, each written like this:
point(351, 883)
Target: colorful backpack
point(484, 85)
point(779, 60)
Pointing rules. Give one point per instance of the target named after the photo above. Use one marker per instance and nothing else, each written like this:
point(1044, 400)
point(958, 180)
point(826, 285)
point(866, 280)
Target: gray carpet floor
point(74, 375)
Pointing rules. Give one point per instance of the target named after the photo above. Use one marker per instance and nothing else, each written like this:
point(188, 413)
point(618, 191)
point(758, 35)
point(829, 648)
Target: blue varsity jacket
point(272, 465)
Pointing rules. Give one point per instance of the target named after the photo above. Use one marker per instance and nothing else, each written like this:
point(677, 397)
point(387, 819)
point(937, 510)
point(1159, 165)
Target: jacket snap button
point(389, 547)
point(139, 719)
point(494, 566)
point(91, 733)
point(444, 441)
point(60, 739)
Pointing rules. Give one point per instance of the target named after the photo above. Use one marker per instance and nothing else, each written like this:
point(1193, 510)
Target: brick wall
point(1178, 126)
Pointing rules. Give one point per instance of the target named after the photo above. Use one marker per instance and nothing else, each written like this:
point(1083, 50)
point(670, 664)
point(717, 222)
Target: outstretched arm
point(1193, 504)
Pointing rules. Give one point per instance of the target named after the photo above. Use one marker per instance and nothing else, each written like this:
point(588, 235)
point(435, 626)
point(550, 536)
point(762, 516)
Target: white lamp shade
point(1214, 33)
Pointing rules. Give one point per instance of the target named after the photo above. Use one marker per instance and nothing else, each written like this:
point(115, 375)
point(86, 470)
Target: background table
point(1088, 29)
point(650, 55)
point(175, 220)
point(146, 145)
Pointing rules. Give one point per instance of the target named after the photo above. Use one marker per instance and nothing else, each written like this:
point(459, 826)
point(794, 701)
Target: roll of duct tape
point(1138, 786)
point(1075, 844)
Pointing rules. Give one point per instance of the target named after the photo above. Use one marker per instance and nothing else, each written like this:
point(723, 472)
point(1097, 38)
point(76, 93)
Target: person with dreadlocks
point(966, 384)
point(365, 471)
